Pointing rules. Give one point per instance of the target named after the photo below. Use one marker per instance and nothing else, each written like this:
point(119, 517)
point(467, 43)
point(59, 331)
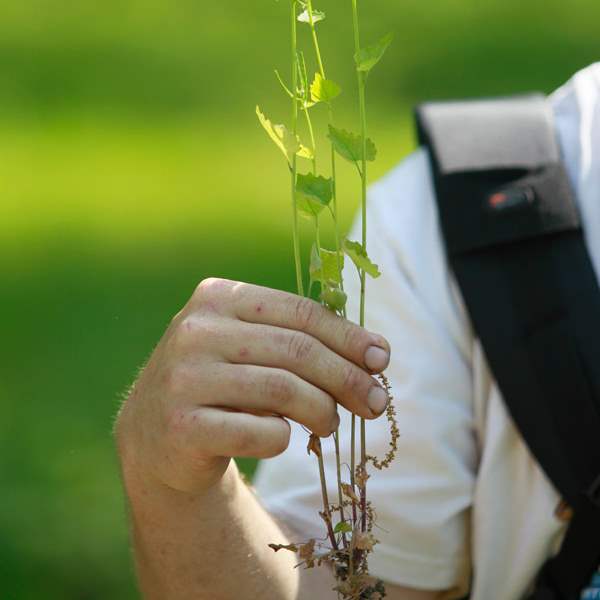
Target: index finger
point(256, 304)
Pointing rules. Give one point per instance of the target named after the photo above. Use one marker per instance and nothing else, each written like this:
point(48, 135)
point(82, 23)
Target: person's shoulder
point(576, 108)
point(403, 199)
point(412, 174)
point(582, 87)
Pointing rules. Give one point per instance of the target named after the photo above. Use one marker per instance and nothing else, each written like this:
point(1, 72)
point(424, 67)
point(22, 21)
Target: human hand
point(233, 365)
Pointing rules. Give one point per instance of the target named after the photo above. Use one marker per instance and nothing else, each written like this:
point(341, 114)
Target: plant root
point(349, 561)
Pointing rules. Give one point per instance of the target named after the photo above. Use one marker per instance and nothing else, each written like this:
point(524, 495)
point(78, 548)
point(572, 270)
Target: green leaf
point(359, 257)
point(324, 268)
point(304, 17)
point(343, 527)
point(324, 90)
point(315, 186)
point(315, 264)
point(367, 58)
point(313, 194)
point(308, 207)
point(286, 141)
point(349, 145)
point(334, 298)
point(305, 152)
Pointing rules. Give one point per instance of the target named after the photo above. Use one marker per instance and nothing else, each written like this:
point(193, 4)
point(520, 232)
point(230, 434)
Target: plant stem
point(336, 439)
point(318, 240)
point(296, 233)
point(326, 510)
point(334, 214)
point(304, 106)
point(363, 121)
point(312, 139)
point(338, 465)
point(322, 477)
point(313, 30)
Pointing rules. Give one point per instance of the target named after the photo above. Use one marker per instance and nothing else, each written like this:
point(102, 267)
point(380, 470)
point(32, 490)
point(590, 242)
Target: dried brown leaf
point(314, 445)
point(307, 553)
point(307, 550)
point(361, 476)
point(364, 541)
point(278, 547)
point(349, 492)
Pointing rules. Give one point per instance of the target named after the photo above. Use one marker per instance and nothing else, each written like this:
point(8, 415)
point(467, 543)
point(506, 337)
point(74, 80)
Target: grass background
point(131, 167)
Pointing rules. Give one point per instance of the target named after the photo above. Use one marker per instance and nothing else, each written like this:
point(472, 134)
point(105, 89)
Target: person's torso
point(515, 522)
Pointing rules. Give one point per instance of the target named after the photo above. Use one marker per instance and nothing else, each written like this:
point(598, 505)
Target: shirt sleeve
point(422, 501)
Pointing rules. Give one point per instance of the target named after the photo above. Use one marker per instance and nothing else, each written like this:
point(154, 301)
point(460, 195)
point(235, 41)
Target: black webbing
point(515, 243)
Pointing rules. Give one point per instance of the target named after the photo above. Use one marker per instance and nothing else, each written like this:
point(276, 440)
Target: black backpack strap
point(515, 243)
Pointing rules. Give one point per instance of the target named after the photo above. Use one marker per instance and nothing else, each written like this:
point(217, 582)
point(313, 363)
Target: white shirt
point(464, 506)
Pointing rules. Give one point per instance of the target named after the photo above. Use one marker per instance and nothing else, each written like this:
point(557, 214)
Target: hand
point(233, 365)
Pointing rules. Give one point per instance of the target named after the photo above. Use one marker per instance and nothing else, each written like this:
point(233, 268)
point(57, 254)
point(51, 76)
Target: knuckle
point(280, 387)
point(206, 286)
point(306, 313)
point(352, 380)
point(352, 336)
point(300, 346)
point(239, 289)
point(209, 290)
point(188, 331)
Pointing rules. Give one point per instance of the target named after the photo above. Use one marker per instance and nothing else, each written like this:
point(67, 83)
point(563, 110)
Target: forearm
point(234, 367)
point(213, 547)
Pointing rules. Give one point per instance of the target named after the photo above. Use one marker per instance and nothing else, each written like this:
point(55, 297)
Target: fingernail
point(377, 399)
point(376, 358)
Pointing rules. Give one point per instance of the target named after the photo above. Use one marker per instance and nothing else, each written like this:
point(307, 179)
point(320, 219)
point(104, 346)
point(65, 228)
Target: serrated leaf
point(349, 145)
point(359, 257)
point(318, 16)
point(284, 139)
point(308, 207)
point(324, 90)
point(343, 527)
point(313, 194)
point(324, 267)
point(317, 187)
point(367, 58)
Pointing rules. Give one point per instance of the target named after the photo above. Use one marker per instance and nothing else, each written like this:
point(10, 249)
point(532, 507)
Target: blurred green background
point(132, 166)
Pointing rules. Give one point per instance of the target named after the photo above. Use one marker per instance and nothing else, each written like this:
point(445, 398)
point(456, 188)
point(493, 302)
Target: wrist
point(145, 488)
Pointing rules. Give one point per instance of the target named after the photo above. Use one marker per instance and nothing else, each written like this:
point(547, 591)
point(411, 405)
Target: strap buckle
point(508, 199)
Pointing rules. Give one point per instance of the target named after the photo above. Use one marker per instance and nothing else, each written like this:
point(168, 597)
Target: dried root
point(351, 540)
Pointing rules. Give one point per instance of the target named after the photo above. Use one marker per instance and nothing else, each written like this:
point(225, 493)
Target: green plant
point(350, 540)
